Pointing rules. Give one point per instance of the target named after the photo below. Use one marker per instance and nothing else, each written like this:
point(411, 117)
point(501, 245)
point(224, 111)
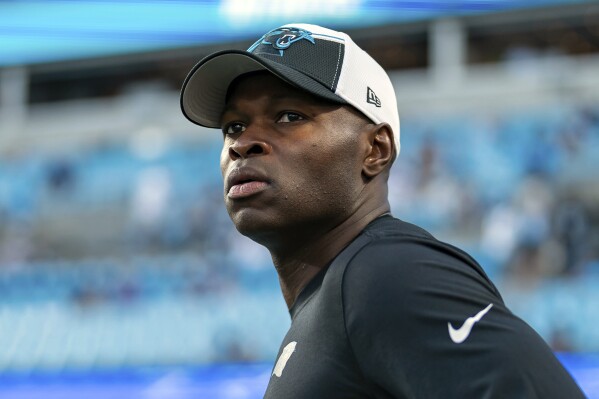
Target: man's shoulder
point(402, 255)
point(394, 241)
point(390, 227)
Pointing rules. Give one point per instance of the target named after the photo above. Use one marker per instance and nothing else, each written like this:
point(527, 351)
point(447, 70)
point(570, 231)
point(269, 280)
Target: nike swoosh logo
point(284, 358)
point(458, 336)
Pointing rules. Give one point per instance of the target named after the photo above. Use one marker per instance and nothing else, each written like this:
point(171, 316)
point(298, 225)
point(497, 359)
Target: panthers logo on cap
point(282, 38)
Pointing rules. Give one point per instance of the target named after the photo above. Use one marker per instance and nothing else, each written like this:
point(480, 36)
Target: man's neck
point(298, 261)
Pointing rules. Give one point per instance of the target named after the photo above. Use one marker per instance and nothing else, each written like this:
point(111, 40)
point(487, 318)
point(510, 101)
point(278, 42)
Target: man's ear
point(380, 151)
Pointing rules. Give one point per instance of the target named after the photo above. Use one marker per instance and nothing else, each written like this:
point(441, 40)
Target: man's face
point(291, 162)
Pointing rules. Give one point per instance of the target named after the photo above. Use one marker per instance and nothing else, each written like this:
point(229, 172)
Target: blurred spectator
point(572, 231)
point(149, 204)
point(60, 176)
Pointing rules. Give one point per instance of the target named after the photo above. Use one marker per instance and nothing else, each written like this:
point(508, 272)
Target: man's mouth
point(245, 181)
point(246, 188)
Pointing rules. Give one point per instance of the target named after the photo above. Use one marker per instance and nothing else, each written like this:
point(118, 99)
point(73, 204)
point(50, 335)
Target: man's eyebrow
point(227, 108)
point(303, 98)
point(293, 97)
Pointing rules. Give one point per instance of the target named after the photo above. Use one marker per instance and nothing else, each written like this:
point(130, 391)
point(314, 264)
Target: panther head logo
point(282, 38)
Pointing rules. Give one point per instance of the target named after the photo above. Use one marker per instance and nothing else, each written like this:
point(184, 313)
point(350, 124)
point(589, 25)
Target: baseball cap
point(318, 60)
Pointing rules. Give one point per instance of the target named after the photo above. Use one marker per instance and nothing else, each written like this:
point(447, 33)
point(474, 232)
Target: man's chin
point(254, 225)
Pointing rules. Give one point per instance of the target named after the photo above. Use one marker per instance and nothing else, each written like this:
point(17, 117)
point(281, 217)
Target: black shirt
point(389, 318)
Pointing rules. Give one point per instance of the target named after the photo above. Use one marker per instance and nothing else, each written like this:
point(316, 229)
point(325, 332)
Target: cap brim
point(204, 91)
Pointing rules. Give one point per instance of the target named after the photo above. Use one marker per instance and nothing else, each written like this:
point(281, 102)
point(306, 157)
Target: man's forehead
point(258, 84)
point(254, 86)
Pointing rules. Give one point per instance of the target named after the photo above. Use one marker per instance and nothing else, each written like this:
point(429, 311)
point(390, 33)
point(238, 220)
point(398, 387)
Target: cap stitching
point(337, 67)
point(322, 35)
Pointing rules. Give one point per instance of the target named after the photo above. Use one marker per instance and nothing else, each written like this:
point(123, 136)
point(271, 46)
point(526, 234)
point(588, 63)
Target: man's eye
point(234, 128)
point(287, 117)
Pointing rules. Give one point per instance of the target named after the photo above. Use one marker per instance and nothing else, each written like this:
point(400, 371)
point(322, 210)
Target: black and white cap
point(321, 61)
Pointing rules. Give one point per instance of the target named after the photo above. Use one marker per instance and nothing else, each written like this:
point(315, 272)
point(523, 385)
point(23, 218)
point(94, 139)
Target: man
point(379, 307)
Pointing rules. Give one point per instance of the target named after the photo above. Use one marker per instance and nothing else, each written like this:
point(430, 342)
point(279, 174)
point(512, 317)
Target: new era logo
point(372, 98)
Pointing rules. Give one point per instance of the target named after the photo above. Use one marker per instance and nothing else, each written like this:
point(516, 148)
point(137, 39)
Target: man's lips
point(244, 181)
point(246, 189)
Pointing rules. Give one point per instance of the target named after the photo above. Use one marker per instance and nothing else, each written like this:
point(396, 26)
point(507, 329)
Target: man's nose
point(248, 145)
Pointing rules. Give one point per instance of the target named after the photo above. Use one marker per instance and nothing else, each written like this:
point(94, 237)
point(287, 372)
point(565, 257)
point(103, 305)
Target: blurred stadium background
point(121, 275)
